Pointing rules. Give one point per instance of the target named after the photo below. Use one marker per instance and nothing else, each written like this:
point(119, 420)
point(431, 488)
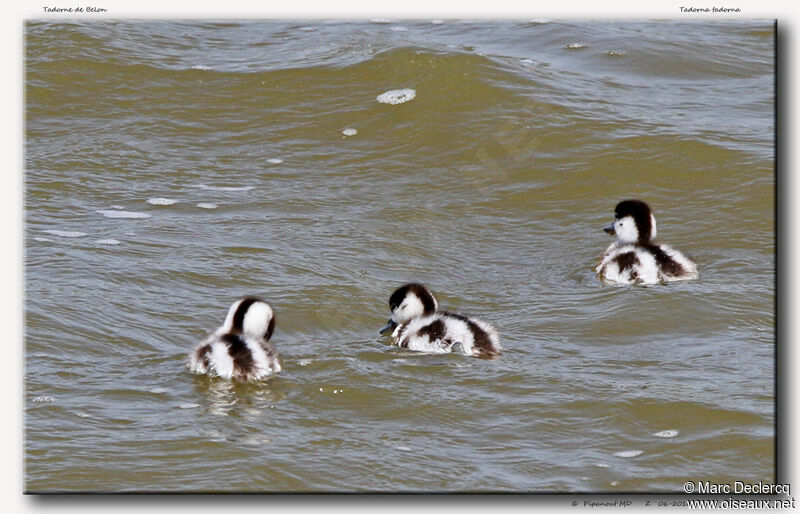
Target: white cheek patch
point(410, 308)
point(256, 320)
point(626, 230)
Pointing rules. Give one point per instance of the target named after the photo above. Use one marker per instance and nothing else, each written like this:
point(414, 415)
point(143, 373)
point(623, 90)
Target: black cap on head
point(640, 212)
point(420, 291)
point(237, 324)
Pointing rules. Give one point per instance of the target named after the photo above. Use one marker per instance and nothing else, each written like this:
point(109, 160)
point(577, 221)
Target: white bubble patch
point(161, 201)
point(628, 454)
point(207, 205)
point(275, 161)
point(225, 188)
point(123, 214)
point(397, 96)
point(666, 433)
point(349, 132)
point(65, 233)
point(575, 46)
point(111, 242)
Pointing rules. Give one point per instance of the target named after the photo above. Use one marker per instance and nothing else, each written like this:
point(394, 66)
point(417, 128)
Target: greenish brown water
point(491, 186)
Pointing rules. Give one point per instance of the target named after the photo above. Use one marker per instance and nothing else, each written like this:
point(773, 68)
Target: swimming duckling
point(240, 348)
point(633, 258)
point(418, 325)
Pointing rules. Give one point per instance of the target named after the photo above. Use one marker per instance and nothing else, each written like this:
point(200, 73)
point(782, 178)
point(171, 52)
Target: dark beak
point(389, 328)
point(609, 229)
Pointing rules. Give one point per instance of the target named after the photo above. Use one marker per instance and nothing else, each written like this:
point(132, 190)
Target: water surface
point(175, 166)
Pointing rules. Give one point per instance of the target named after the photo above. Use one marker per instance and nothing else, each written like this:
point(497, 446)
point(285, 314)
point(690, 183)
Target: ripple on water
point(123, 214)
point(161, 201)
point(397, 96)
point(225, 188)
point(203, 205)
point(65, 233)
point(110, 242)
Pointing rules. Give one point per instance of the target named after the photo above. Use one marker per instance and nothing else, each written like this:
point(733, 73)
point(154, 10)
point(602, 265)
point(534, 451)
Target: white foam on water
point(601, 465)
point(397, 96)
point(628, 454)
point(403, 448)
point(526, 61)
point(119, 207)
point(123, 214)
point(304, 362)
point(349, 132)
point(43, 239)
point(158, 390)
point(399, 28)
point(207, 205)
point(307, 28)
point(200, 67)
point(65, 233)
point(275, 161)
point(437, 22)
point(225, 188)
point(107, 242)
point(82, 414)
point(43, 399)
point(161, 201)
point(616, 53)
point(575, 46)
point(188, 405)
point(666, 433)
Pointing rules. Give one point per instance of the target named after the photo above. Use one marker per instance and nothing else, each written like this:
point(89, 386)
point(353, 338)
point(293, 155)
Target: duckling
point(633, 258)
point(240, 348)
point(418, 325)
